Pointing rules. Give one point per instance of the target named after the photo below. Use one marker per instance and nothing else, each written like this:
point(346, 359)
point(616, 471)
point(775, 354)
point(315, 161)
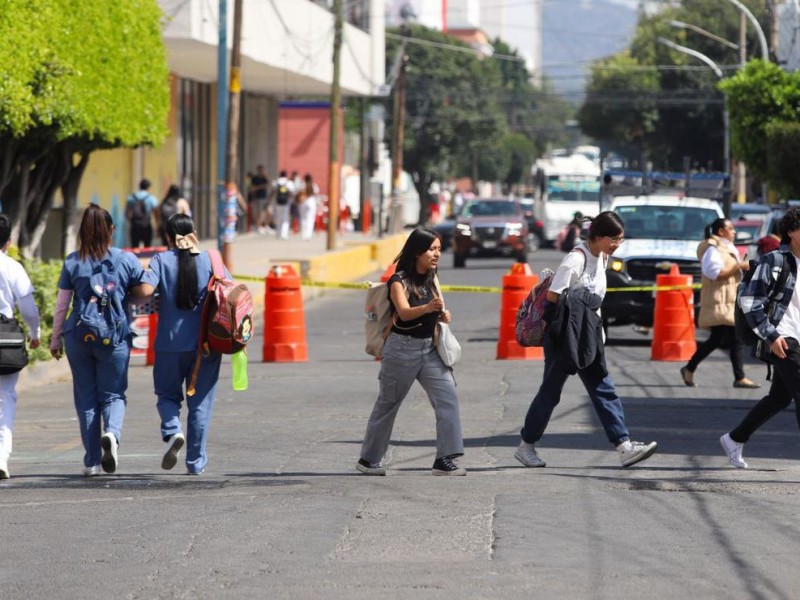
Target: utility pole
point(364, 169)
point(232, 157)
point(336, 101)
point(398, 136)
point(741, 170)
point(222, 117)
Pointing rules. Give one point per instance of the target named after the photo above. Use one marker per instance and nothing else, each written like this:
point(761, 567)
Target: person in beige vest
point(722, 271)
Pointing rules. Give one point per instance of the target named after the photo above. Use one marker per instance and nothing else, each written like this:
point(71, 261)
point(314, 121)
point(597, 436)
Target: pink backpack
point(226, 324)
point(530, 325)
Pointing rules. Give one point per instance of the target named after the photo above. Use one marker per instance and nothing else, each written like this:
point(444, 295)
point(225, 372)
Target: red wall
point(304, 140)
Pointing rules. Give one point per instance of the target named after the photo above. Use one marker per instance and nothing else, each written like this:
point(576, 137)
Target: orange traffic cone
point(284, 320)
point(517, 284)
point(673, 319)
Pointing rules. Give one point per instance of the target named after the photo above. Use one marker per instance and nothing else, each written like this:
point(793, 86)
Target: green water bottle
point(239, 367)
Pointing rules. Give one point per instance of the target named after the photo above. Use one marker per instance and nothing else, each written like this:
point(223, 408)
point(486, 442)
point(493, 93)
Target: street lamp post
point(725, 123)
point(762, 40)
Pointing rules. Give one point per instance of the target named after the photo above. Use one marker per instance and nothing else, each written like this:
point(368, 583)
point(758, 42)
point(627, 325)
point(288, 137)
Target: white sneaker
point(527, 455)
point(733, 450)
point(4, 473)
point(631, 452)
point(92, 471)
point(109, 444)
point(174, 445)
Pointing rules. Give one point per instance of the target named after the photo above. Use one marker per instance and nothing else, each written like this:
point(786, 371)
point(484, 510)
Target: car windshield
point(665, 222)
point(752, 228)
point(484, 208)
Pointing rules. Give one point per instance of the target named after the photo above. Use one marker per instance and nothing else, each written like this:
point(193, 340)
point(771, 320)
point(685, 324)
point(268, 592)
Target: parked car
point(444, 229)
point(535, 226)
point(490, 227)
point(659, 231)
point(750, 211)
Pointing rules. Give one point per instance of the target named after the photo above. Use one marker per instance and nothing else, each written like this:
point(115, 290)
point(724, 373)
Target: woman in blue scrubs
point(181, 276)
point(100, 274)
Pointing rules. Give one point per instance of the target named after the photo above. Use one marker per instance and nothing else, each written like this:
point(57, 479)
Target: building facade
point(286, 48)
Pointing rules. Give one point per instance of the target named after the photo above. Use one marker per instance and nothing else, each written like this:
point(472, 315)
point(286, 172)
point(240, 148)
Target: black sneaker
point(369, 468)
point(446, 466)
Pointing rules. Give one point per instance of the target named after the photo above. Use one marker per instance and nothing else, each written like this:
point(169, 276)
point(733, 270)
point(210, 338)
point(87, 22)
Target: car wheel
point(459, 261)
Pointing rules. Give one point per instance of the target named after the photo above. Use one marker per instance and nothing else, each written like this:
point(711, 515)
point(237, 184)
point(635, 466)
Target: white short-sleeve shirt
point(571, 271)
point(14, 284)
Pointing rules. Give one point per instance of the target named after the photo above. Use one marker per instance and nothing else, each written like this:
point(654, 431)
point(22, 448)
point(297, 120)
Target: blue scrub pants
point(99, 383)
point(171, 373)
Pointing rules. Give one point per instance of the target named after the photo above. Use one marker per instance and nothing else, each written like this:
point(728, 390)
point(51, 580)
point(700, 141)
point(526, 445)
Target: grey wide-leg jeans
point(406, 359)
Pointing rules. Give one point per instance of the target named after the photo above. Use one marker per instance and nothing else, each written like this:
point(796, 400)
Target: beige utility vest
point(717, 297)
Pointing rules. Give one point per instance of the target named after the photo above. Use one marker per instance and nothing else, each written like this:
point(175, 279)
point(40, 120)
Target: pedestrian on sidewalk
point(173, 202)
point(284, 191)
point(258, 198)
point(410, 354)
point(139, 209)
point(774, 316)
point(307, 206)
point(573, 343)
point(181, 276)
point(16, 289)
point(722, 271)
point(96, 279)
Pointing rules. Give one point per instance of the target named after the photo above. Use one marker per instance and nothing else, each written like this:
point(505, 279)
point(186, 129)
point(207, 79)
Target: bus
point(564, 185)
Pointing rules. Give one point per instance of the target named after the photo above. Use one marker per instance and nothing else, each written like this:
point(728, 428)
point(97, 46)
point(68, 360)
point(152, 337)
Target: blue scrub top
point(178, 329)
point(76, 276)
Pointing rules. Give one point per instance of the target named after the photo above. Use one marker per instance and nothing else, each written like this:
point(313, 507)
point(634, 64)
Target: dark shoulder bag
point(13, 353)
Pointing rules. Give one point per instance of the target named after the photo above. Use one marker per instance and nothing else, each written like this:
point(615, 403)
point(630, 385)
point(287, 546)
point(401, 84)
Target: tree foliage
point(783, 143)
point(470, 115)
point(759, 95)
point(78, 78)
point(673, 97)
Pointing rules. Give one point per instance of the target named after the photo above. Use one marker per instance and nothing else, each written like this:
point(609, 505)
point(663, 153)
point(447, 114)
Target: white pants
point(308, 216)
point(282, 219)
point(8, 409)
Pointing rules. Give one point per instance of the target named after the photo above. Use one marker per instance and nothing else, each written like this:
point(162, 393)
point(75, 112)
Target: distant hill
point(575, 32)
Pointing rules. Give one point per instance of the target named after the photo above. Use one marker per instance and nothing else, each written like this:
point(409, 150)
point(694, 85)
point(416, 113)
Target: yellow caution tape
point(469, 289)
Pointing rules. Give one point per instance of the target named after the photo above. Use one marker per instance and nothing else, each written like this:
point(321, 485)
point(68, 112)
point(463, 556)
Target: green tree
point(451, 110)
point(760, 94)
point(78, 78)
point(783, 143)
point(677, 108)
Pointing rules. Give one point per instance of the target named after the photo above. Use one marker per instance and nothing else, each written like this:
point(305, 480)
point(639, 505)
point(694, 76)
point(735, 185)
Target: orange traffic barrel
point(284, 319)
point(673, 319)
point(517, 284)
point(387, 274)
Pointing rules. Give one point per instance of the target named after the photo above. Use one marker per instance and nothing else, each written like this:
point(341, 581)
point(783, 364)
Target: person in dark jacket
point(773, 314)
point(581, 276)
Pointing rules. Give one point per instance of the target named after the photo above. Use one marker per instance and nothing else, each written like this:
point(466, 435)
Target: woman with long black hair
point(410, 355)
point(96, 275)
point(181, 276)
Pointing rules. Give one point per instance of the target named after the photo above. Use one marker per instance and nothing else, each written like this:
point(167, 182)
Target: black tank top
point(421, 327)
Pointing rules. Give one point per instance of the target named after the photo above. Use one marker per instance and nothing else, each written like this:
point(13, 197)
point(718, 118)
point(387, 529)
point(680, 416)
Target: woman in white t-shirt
point(582, 273)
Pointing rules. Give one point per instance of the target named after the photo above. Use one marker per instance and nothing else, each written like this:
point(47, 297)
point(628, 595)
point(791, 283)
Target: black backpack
point(13, 353)
point(282, 194)
point(743, 331)
point(138, 213)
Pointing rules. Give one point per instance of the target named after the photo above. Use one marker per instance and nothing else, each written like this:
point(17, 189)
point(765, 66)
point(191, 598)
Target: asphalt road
point(282, 513)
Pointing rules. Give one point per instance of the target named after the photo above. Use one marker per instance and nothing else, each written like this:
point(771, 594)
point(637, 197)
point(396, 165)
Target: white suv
point(659, 231)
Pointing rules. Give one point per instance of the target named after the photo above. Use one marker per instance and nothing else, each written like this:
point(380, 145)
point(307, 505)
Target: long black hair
point(715, 226)
point(418, 242)
point(606, 224)
point(186, 294)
